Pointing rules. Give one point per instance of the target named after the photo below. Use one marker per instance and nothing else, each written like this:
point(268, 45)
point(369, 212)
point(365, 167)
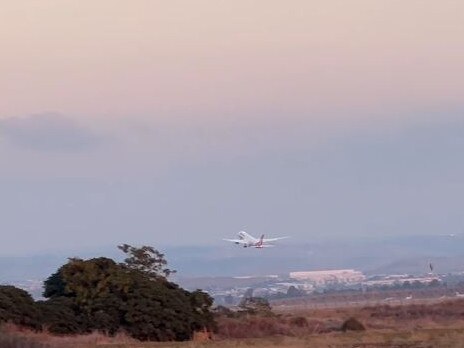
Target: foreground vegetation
point(420, 338)
point(100, 295)
point(99, 302)
point(435, 325)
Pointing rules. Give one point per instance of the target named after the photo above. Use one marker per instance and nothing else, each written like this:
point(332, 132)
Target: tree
point(85, 295)
point(294, 292)
point(54, 285)
point(60, 315)
point(352, 324)
point(18, 307)
point(147, 260)
point(256, 305)
point(248, 294)
point(100, 294)
point(201, 304)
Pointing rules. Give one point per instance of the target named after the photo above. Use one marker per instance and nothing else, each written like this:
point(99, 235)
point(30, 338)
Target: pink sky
point(191, 60)
point(178, 121)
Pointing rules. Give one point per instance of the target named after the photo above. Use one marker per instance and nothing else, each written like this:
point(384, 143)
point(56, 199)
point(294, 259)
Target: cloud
point(48, 132)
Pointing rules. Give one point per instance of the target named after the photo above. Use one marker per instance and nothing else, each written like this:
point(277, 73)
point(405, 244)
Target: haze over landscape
point(180, 123)
point(236, 173)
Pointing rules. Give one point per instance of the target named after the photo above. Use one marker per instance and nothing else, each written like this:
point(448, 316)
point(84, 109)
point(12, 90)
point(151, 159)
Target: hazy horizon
point(178, 123)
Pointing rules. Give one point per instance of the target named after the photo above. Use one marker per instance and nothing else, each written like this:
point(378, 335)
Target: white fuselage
point(246, 241)
point(249, 241)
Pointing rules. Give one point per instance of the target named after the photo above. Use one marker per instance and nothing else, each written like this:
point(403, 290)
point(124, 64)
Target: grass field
point(443, 337)
point(406, 326)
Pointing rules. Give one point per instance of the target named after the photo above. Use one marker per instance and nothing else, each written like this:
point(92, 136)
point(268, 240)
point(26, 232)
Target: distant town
point(289, 271)
point(229, 291)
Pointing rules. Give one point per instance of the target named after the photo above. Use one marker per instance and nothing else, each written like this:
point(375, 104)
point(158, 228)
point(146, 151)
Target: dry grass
point(446, 338)
point(12, 336)
point(411, 326)
point(449, 338)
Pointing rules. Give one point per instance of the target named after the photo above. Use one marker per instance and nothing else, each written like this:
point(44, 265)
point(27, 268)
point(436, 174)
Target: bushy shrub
point(352, 324)
point(18, 307)
point(102, 295)
point(99, 294)
point(256, 305)
point(60, 316)
point(223, 311)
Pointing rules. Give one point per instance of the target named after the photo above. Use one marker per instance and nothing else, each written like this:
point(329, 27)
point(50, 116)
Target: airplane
point(248, 241)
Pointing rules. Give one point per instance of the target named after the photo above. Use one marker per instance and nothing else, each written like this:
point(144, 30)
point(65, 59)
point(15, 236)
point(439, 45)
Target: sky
point(183, 122)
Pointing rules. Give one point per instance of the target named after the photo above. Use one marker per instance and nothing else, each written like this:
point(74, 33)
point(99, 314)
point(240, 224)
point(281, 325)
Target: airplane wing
point(240, 241)
point(273, 239)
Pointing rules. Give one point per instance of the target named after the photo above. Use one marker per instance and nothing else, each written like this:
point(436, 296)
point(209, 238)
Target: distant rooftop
point(344, 275)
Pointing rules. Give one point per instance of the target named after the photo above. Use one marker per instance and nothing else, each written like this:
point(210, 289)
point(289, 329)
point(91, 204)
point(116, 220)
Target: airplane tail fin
point(265, 246)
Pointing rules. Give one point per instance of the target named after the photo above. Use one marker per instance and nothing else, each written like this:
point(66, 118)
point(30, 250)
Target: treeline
point(102, 295)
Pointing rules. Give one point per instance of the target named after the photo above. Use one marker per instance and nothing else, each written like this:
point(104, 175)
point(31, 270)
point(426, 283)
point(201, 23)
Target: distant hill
point(410, 254)
point(17, 268)
point(419, 265)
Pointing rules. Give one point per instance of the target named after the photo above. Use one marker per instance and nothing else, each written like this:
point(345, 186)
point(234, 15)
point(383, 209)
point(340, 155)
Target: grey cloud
point(48, 132)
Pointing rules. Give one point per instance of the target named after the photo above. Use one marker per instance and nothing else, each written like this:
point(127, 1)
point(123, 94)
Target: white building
point(329, 277)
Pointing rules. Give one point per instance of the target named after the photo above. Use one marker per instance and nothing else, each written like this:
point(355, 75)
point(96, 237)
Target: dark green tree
point(18, 307)
point(201, 304)
point(60, 315)
point(54, 285)
point(146, 259)
point(100, 294)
